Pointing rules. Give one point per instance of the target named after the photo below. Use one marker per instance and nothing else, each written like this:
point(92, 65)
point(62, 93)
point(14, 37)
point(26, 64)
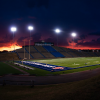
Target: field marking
point(96, 61)
point(88, 62)
point(76, 64)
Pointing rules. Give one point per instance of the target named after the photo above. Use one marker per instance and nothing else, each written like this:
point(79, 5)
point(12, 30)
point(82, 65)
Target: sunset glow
point(10, 48)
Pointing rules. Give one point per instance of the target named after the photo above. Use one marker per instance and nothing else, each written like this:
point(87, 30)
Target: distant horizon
point(70, 47)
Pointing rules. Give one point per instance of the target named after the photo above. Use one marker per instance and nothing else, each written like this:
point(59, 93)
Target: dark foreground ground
point(88, 89)
point(46, 80)
point(84, 86)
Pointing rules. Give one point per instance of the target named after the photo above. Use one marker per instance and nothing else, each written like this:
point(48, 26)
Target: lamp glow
point(73, 34)
point(30, 28)
point(57, 31)
point(13, 29)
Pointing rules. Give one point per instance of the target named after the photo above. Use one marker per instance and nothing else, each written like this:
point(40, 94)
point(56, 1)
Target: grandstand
point(42, 52)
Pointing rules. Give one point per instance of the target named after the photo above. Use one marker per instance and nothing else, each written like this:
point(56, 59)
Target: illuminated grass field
point(71, 62)
point(66, 62)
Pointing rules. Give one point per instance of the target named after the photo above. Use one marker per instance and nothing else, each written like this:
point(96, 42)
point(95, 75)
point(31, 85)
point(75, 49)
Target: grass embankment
point(6, 69)
point(8, 56)
point(81, 90)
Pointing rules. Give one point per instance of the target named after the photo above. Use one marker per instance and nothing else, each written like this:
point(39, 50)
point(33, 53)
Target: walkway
point(45, 80)
point(18, 69)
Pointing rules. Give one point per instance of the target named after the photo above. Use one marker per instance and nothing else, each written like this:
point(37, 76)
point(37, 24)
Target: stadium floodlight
point(30, 28)
point(73, 35)
point(57, 31)
point(13, 29)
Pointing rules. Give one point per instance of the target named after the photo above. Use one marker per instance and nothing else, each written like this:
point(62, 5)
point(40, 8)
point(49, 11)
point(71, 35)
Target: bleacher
point(40, 49)
point(57, 48)
point(61, 51)
point(92, 54)
point(53, 51)
point(97, 53)
point(32, 49)
point(86, 54)
point(48, 55)
point(67, 50)
point(49, 49)
point(34, 53)
point(20, 52)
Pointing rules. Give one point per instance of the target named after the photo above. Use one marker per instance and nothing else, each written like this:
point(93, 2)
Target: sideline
point(18, 69)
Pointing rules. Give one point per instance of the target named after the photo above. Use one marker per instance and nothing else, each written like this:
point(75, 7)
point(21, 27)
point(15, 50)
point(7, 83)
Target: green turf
point(6, 69)
point(72, 62)
point(69, 62)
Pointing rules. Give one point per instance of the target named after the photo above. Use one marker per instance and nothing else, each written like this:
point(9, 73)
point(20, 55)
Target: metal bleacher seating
point(20, 52)
point(53, 51)
point(34, 53)
point(40, 49)
point(59, 49)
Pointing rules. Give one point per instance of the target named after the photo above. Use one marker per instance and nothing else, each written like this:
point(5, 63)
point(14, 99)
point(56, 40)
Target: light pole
point(13, 29)
point(73, 35)
point(24, 49)
point(30, 28)
point(57, 31)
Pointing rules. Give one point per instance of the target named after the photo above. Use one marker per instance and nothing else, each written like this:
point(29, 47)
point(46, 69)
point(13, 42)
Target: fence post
point(32, 84)
point(4, 83)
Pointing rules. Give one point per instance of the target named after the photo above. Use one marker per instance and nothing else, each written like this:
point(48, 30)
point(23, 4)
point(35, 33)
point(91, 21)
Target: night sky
point(80, 16)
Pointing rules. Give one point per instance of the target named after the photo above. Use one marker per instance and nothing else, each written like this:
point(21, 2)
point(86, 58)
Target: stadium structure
point(42, 50)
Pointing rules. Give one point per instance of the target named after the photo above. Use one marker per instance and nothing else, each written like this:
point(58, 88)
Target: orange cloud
point(10, 48)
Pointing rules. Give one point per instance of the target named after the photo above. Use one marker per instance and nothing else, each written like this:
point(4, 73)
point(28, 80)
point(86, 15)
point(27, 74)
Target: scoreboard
point(43, 44)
